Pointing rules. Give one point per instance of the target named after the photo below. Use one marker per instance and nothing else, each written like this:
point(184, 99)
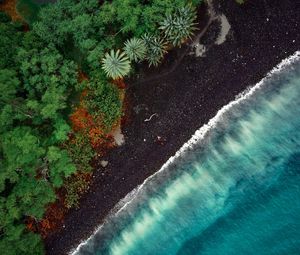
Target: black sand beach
point(262, 34)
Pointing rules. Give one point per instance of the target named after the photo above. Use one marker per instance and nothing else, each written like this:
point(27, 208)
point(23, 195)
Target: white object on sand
point(225, 27)
point(199, 49)
point(154, 114)
point(118, 136)
point(103, 163)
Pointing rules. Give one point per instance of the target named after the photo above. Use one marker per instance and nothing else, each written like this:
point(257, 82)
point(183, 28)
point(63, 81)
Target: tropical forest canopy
point(51, 119)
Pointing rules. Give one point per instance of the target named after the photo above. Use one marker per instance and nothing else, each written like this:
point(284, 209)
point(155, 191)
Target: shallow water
point(234, 191)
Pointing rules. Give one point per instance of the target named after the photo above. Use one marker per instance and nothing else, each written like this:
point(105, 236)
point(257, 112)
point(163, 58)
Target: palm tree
point(156, 48)
point(135, 49)
point(180, 25)
point(116, 64)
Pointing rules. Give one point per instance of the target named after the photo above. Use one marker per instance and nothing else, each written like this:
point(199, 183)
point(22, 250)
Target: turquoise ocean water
point(234, 188)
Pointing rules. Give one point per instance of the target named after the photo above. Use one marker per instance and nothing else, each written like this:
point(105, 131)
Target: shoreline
point(197, 137)
point(184, 100)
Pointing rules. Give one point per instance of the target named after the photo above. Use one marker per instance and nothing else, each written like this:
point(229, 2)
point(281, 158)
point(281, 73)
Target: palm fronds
point(180, 25)
point(156, 48)
point(116, 64)
point(135, 49)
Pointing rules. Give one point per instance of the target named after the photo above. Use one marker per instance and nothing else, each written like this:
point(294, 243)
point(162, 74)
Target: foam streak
point(195, 139)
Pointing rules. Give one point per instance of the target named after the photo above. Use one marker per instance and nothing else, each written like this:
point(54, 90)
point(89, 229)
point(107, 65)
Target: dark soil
point(263, 33)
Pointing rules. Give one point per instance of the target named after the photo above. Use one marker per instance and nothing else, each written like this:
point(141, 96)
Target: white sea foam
point(126, 199)
point(195, 139)
point(118, 207)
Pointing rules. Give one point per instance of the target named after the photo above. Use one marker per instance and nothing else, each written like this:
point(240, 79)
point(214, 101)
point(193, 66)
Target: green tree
point(180, 25)
point(156, 12)
point(4, 18)
point(9, 84)
point(12, 106)
point(49, 79)
point(17, 240)
point(10, 38)
point(22, 150)
point(156, 48)
point(60, 165)
point(135, 49)
point(32, 196)
point(116, 64)
point(60, 132)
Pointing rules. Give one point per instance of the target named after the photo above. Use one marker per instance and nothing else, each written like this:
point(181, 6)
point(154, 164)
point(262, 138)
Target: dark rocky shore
point(262, 34)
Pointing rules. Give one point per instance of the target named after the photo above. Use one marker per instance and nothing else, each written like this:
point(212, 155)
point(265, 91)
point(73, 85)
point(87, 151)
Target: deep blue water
point(235, 191)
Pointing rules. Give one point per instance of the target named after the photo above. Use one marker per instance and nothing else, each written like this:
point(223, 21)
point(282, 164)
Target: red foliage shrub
point(119, 83)
point(81, 119)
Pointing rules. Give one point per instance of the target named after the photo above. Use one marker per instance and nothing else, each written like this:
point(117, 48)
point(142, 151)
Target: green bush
point(81, 152)
point(75, 186)
point(103, 100)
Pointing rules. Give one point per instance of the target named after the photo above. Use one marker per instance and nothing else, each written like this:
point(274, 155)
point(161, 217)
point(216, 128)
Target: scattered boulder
point(103, 163)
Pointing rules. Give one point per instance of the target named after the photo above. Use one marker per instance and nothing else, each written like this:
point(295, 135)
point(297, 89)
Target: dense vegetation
point(51, 120)
point(28, 9)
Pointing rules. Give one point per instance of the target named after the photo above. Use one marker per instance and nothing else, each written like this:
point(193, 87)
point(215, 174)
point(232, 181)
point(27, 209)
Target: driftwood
point(154, 114)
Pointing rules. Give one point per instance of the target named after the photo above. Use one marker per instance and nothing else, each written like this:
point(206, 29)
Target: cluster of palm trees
point(175, 29)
